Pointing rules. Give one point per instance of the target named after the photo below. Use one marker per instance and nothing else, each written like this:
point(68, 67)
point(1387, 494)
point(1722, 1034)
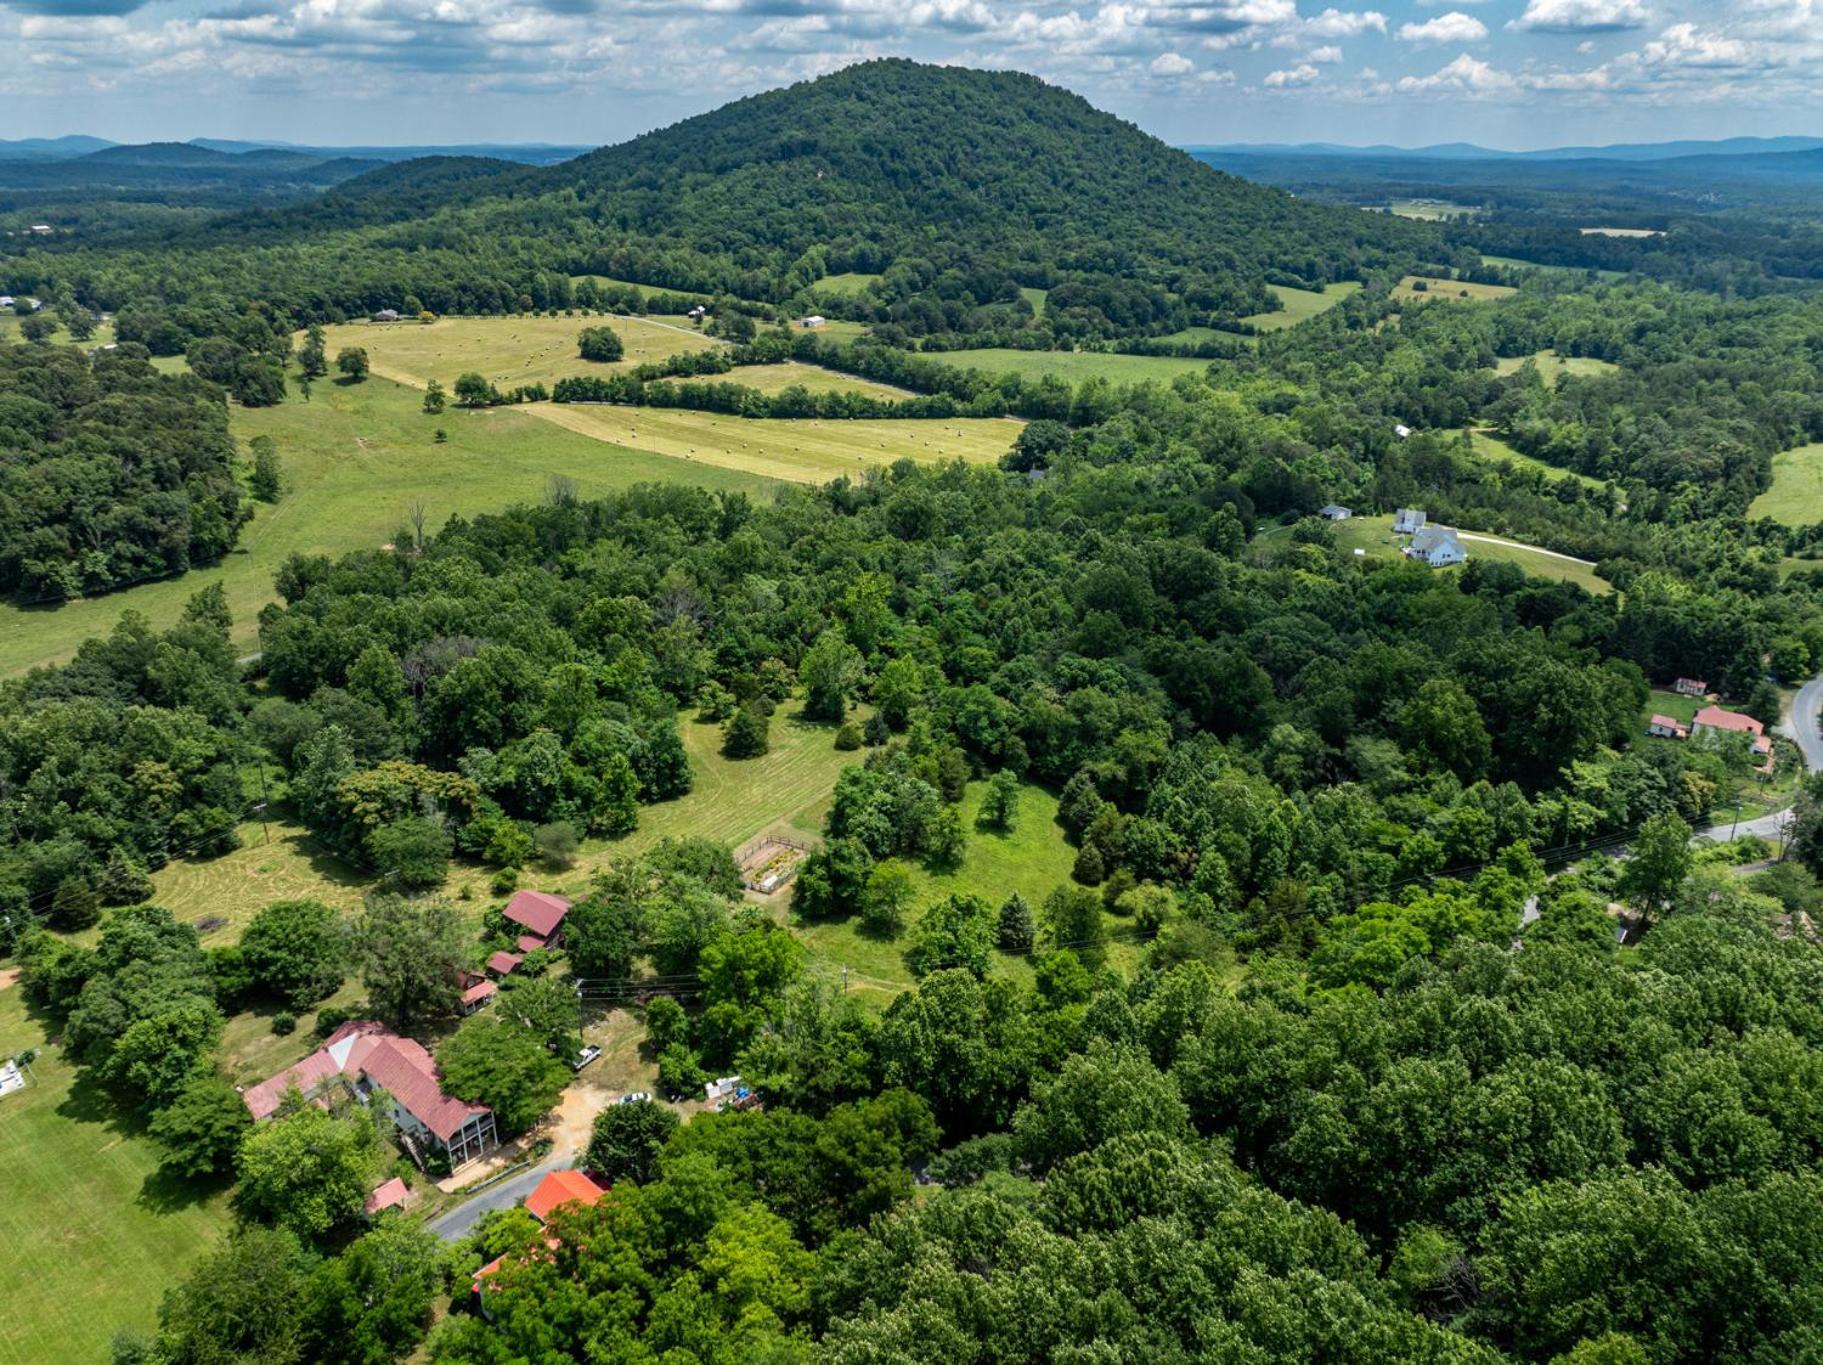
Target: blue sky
point(1508, 73)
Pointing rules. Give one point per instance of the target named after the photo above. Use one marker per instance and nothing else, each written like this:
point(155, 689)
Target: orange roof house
point(1713, 718)
point(560, 1188)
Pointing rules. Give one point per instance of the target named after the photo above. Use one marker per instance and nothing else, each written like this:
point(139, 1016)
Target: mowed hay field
point(1300, 305)
point(803, 450)
point(355, 458)
point(1072, 366)
point(505, 351)
point(1551, 365)
point(1796, 495)
point(1458, 291)
point(776, 378)
point(277, 861)
point(93, 1232)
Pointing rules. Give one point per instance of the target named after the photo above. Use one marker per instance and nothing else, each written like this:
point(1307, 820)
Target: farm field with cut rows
point(775, 378)
point(1457, 291)
point(506, 351)
point(1071, 366)
point(93, 1229)
point(355, 458)
point(1300, 305)
point(1431, 210)
point(803, 450)
point(1796, 495)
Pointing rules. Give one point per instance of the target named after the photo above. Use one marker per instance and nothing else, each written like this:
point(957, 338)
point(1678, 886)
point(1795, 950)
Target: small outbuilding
point(813, 322)
point(1691, 687)
point(391, 1195)
point(1666, 727)
point(1334, 512)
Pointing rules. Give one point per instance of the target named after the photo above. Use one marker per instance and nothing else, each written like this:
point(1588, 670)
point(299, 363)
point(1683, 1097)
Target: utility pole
point(844, 978)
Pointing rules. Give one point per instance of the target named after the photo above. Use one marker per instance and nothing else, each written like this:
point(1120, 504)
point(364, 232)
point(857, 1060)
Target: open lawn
point(1071, 366)
point(94, 1234)
point(787, 789)
point(1551, 365)
point(506, 351)
point(1459, 291)
point(1036, 298)
point(850, 282)
point(803, 450)
point(9, 332)
point(643, 289)
point(1033, 860)
point(355, 458)
point(1796, 495)
point(1491, 447)
point(1300, 305)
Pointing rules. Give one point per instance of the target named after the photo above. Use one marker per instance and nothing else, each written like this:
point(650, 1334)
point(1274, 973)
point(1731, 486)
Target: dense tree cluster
point(110, 473)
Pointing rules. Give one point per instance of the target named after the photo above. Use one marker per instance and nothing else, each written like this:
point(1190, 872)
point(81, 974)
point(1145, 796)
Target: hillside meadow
point(1071, 366)
point(356, 457)
point(506, 351)
point(1300, 305)
point(802, 450)
point(1796, 495)
point(1455, 291)
point(1488, 446)
point(1551, 365)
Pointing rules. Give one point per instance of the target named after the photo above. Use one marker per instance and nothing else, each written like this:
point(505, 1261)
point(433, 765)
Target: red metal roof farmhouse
point(538, 911)
point(365, 1048)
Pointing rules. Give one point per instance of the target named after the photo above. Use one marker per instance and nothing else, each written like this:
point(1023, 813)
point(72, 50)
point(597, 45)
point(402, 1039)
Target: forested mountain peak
point(890, 146)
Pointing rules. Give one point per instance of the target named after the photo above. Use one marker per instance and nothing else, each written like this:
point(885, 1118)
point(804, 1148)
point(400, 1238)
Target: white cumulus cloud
point(1303, 74)
point(1454, 27)
point(1581, 16)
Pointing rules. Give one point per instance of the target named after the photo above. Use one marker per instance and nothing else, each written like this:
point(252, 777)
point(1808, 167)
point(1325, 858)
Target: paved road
point(461, 1220)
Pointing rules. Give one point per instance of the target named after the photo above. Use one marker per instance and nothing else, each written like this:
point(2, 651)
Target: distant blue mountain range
point(69, 148)
point(1468, 151)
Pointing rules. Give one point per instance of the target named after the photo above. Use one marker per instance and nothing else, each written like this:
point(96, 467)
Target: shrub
point(849, 736)
point(284, 1023)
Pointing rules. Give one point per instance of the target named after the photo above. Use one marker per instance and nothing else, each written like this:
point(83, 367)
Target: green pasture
point(1454, 291)
point(1551, 365)
point(1796, 495)
point(1071, 366)
point(1300, 305)
point(356, 457)
point(1487, 446)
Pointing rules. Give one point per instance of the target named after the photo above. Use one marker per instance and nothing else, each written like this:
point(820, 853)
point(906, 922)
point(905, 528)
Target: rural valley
point(897, 722)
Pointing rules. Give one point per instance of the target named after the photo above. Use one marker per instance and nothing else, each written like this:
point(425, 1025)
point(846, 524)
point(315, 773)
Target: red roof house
point(540, 913)
point(529, 943)
point(368, 1056)
point(559, 1188)
point(1714, 718)
point(391, 1195)
point(503, 962)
